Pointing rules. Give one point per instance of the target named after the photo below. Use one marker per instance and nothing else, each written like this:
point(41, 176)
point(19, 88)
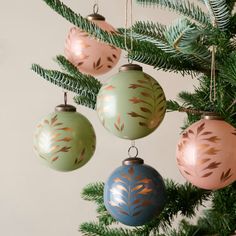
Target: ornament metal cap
point(133, 161)
point(96, 16)
point(130, 66)
point(211, 116)
point(65, 108)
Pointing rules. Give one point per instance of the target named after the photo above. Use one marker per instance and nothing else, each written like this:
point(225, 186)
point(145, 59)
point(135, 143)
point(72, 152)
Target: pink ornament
point(206, 153)
point(88, 54)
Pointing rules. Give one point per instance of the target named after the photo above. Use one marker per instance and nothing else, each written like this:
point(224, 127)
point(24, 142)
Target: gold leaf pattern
point(213, 165)
point(134, 114)
point(145, 181)
point(54, 159)
point(225, 176)
point(109, 87)
point(119, 186)
point(212, 151)
point(131, 193)
point(65, 129)
point(118, 125)
point(213, 139)
point(53, 120)
point(110, 59)
point(131, 171)
point(207, 175)
point(145, 191)
point(64, 149)
point(200, 128)
point(144, 109)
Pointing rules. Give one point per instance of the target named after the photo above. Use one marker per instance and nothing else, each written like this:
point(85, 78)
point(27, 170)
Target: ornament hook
point(95, 8)
point(133, 147)
point(65, 98)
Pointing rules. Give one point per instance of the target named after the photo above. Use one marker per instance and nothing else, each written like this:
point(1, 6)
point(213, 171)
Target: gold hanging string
point(126, 26)
point(213, 75)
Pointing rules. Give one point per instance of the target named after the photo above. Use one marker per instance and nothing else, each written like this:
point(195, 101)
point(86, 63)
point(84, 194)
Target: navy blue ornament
point(134, 193)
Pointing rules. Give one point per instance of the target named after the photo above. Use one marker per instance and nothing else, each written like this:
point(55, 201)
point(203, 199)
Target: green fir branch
point(85, 101)
point(184, 37)
point(185, 8)
point(173, 106)
point(151, 29)
point(93, 192)
point(91, 83)
point(96, 229)
point(64, 81)
point(219, 12)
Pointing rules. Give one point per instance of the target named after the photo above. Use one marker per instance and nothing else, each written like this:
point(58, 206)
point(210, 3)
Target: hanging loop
point(95, 8)
point(133, 149)
point(65, 98)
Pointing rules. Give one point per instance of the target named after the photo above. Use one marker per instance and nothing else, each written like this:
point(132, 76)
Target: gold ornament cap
point(130, 66)
point(65, 108)
point(133, 161)
point(211, 116)
point(96, 16)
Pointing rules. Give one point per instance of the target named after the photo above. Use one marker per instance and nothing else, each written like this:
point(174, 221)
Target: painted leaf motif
point(213, 139)
point(137, 187)
point(131, 171)
point(136, 201)
point(53, 120)
point(121, 187)
point(146, 203)
point(126, 176)
point(118, 180)
point(145, 181)
point(200, 128)
point(212, 151)
point(213, 165)
point(145, 191)
point(144, 109)
point(207, 174)
point(225, 176)
point(54, 159)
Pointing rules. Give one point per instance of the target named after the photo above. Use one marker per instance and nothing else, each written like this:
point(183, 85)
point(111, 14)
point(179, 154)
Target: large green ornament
point(65, 140)
point(132, 104)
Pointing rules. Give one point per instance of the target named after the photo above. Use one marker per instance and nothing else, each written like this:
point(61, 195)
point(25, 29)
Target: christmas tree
point(184, 47)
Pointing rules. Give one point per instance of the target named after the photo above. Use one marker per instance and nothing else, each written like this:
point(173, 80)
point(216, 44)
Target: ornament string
point(213, 75)
point(129, 50)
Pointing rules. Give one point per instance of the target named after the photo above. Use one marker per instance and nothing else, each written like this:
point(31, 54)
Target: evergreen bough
point(183, 47)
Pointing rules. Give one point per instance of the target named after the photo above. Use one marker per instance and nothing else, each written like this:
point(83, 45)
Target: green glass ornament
point(65, 140)
point(132, 104)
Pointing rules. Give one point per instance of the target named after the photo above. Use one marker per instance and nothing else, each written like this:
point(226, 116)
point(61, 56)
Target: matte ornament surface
point(65, 141)
point(134, 194)
point(206, 154)
point(88, 54)
point(131, 104)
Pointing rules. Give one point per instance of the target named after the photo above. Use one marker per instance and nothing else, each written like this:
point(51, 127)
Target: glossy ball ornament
point(134, 193)
point(88, 54)
point(65, 140)
point(206, 154)
point(132, 104)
